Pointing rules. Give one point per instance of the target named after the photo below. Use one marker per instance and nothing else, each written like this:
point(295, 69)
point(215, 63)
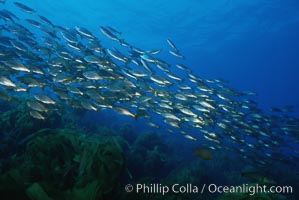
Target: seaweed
point(63, 165)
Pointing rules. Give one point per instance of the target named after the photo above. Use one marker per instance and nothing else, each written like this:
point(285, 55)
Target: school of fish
point(51, 67)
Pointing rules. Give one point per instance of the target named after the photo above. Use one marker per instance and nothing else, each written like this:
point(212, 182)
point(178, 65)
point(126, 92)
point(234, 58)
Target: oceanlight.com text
point(250, 189)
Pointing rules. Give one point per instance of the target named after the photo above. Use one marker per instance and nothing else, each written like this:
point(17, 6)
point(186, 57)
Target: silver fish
point(24, 8)
point(6, 82)
point(44, 99)
point(36, 115)
point(171, 44)
point(36, 106)
point(92, 75)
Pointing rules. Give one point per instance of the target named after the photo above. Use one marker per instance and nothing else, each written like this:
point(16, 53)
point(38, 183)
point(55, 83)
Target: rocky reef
point(63, 164)
point(59, 160)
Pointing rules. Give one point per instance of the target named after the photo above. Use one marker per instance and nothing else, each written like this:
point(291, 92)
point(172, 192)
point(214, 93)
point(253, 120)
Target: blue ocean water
point(252, 44)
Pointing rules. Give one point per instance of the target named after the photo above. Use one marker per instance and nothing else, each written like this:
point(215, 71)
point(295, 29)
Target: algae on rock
point(62, 164)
